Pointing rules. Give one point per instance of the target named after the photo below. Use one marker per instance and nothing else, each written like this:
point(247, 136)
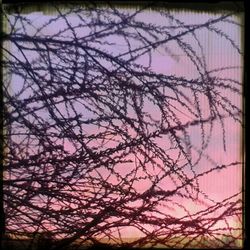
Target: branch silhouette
point(97, 140)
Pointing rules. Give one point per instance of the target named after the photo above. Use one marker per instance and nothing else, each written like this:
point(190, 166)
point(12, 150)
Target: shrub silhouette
point(97, 140)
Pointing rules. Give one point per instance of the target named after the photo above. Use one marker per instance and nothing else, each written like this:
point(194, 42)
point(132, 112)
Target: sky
point(170, 60)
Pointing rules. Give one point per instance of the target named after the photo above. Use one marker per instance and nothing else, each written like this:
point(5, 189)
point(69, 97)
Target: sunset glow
point(124, 126)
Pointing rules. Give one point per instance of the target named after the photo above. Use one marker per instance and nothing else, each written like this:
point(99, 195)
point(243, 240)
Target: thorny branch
point(96, 141)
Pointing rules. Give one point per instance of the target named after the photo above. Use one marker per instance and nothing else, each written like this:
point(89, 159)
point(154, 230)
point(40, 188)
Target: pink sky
point(172, 61)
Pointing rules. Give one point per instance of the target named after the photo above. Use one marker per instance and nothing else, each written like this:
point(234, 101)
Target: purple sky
point(170, 60)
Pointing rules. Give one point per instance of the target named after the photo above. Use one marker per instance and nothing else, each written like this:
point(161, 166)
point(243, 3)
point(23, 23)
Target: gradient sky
point(170, 60)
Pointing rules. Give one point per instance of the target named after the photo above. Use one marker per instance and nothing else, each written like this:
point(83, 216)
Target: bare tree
point(97, 141)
